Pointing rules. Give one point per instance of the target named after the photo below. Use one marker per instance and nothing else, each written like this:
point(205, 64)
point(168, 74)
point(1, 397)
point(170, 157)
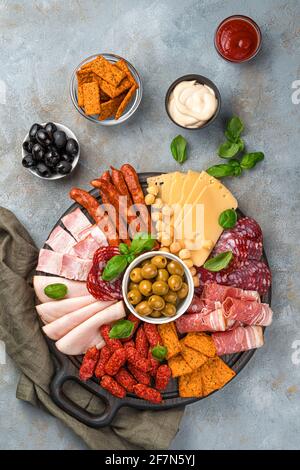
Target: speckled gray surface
point(41, 42)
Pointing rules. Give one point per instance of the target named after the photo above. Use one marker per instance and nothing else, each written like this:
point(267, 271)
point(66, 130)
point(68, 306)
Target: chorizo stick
point(120, 183)
point(94, 209)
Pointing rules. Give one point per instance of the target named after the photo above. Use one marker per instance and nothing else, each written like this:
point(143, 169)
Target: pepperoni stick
point(89, 363)
point(136, 323)
point(115, 362)
point(105, 354)
point(124, 378)
point(94, 209)
point(163, 376)
point(152, 334)
point(135, 358)
point(147, 393)
point(129, 344)
point(113, 344)
point(154, 364)
point(141, 377)
point(112, 386)
point(141, 342)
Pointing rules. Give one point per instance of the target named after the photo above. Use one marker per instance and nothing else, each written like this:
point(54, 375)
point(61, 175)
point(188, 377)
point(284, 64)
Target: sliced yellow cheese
point(163, 182)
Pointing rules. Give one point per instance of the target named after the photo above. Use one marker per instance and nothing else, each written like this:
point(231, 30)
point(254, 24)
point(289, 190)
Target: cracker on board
point(107, 71)
point(91, 98)
point(125, 102)
point(190, 385)
point(109, 108)
point(200, 342)
point(169, 338)
point(179, 366)
point(195, 359)
point(215, 374)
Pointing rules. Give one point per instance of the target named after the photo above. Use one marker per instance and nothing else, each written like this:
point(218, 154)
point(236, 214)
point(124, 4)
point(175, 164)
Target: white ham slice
point(85, 248)
point(76, 222)
point(60, 240)
point(68, 266)
point(50, 311)
point(247, 312)
point(214, 291)
point(60, 327)
point(239, 339)
point(75, 288)
point(87, 334)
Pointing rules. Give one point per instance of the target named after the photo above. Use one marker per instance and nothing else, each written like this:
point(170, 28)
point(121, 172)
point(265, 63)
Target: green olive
point(145, 287)
point(136, 275)
point(183, 291)
point(149, 271)
point(143, 308)
point(160, 288)
point(134, 296)
point(132, 285)
point(162, 275)
point(156, 302)
point(175, 282)
point(155, 314)
point(159, 261)
point(175, 268)
point(169, 310)
point(171, 297)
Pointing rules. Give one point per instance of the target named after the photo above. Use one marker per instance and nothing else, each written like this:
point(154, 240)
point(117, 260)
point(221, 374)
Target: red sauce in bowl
point(238, 38)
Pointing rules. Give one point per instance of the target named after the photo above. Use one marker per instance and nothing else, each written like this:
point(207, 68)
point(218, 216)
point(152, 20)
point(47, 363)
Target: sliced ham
point(214, 291)
point(247, 312)
point(213, 321)
point(87, 334)
point(60, 327)
point(85, 248)
point(75, 288)
point(68, 266)
point(76, 223)
point(239, 339)
point(60, 240)
point(50, 311)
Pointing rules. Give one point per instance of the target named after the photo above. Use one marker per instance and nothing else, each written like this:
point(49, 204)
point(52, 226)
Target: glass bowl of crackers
point(106, 89)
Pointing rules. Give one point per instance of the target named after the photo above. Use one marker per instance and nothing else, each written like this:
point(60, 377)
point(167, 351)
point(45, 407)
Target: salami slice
point(249, 228)
point(100, 289)
point(241, 247)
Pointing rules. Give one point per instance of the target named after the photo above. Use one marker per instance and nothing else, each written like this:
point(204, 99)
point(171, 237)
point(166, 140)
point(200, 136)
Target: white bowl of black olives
point(50, 150)
point(157, 287)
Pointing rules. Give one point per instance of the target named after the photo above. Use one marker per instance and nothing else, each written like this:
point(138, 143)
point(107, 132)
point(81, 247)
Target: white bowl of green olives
point(157, 287)
point(50, 150)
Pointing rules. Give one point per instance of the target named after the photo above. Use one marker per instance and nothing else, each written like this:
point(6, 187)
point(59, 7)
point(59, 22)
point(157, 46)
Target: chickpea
point(149, 271)
point(196, 281)
point(159, 261)
point(171, 297)
point(156, 302)
point(175, 282)
point(167, 210)
point(136, 275)
point(153, 190)
point(193, 271)
point(169, 310)
point(165, 240)
point(175, 268)
point(188, 263)
point(183, 291)
point(175, 247)
point(158, 204)
point(156, 216)
point(165, 249)
point(162, 275)
point(134, 296)
point(159, 226)
point(145, 287)
point(149, 199)
point(143, 308)
point(184, 253)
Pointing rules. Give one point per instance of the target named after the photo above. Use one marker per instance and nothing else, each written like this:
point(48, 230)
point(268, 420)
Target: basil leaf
point(234, 129)
point(123, 248)
point(114, 267)
point(228, 218)
point(241, 144)
point(121, 329)
point(56, 291)
point(159, 352)
point(228, 149)
point(130, 258)
point(219, 262)
point(249, 160)
point(224, 169)
point(141, 242)
point(178, 149)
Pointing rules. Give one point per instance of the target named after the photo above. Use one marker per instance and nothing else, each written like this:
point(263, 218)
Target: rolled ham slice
point(87, 334)
point(213, 321)
point(214, 291)
point(60, 240)
point(76, 223)
point(239, 339)
point(247, 312)
point(75, 288)
point(60, 327)
point(50, 311)
point(68, 266)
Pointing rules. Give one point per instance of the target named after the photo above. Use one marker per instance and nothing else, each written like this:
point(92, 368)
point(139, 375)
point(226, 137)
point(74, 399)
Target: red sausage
point(125, 379)
point(147, 393)
point(129, 344)
point(141, 342)
point(113, 344)
point(152, 334)
point(138, 361)
point(141, 377)
point(105, 354)
point(115, 362)
point(112, 386)
point(154, 364)
point(89, 363)
point(136, 322)
point(163, 376)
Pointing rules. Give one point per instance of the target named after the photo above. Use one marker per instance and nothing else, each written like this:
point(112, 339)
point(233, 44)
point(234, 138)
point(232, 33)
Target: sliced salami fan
point(249, 228)
point(100, 289)
point(241, 247)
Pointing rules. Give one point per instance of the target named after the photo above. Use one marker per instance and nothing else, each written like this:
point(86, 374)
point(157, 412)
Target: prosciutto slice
point(213, 321)
point(75, 288)
point(60, 327)
point(239, 339)
point(76, 223)
point(247, 312)
point(214, 291)
point(60, 240)
point(87, 334)
point(50, 311)
point(68, 266)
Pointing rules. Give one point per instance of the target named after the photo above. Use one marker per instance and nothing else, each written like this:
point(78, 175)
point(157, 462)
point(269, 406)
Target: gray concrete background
point(41, 43)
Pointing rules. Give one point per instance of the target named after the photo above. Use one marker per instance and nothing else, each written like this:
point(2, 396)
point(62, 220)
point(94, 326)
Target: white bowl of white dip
point(193, 102)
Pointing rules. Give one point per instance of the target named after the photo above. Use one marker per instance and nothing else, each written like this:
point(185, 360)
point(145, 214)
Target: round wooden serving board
point(67, 369)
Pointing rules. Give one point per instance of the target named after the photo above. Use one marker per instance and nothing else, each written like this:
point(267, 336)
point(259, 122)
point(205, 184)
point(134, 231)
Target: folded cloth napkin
point(21, 333)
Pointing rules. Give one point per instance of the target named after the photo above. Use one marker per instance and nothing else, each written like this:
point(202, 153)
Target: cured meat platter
point(67, 366)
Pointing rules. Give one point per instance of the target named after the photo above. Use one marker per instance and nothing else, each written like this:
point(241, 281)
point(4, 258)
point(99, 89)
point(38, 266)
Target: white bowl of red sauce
point(238, 39)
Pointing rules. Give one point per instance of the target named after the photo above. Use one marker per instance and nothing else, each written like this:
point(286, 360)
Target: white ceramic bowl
point(181, 308)
point(70, 135)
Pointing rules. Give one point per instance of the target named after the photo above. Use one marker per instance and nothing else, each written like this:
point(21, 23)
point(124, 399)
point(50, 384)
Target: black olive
point(60, 139)
point(52, 158)
point(43, 170)
point(67, 158)
point(27, 146)
point(64, 167)
point(28, 161)
point(38, 152)
point(43, 138)
point(50, 128)
point(72, 147)
point(33, 130)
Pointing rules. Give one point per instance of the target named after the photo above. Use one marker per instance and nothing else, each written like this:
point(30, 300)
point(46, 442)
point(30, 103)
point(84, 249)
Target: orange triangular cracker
point(179, 366)
point(190, 385)
point(121, 64)
point(200, 342)
point(125, 102)
point(215, 374)
point(109, 108)
point(195, 359)
point(169, 338)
